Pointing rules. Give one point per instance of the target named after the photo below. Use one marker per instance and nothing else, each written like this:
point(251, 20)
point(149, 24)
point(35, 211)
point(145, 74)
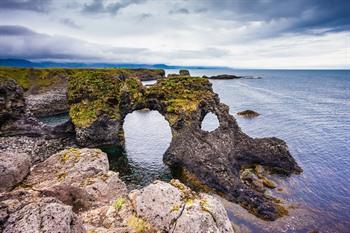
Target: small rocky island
point(53, 179)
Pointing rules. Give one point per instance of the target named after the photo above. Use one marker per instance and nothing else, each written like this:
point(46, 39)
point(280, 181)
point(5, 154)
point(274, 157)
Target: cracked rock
point(173, 207)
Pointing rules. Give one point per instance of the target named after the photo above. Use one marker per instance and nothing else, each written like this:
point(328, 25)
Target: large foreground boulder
point(13, 168)
point(173, 207)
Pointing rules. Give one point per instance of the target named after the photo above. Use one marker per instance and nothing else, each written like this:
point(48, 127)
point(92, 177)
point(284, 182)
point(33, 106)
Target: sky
point(289, 34)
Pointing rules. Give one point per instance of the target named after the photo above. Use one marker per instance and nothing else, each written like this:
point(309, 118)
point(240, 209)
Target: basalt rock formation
point(99, 102)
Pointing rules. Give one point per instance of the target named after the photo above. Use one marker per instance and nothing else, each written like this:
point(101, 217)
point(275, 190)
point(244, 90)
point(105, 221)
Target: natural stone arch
point(100, 102)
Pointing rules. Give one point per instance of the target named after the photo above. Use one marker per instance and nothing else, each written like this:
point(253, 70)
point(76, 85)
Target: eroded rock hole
point(210, 122)
point(147, 137)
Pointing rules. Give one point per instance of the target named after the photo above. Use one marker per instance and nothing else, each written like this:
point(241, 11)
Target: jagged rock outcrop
point(173, 207)
point(13, 168)
point(12, 105)
point(14, 121)
point(214, 158)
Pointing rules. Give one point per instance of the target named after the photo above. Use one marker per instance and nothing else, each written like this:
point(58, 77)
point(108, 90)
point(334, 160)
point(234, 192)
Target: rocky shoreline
point(51, 183)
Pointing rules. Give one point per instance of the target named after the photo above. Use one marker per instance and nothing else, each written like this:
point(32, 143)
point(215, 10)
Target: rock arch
point(99, 103)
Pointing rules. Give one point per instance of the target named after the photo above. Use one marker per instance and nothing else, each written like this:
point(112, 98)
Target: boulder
point(248, 114)
point(173, 207)
point(12, 104)
point(13, 168)
point(184, 73)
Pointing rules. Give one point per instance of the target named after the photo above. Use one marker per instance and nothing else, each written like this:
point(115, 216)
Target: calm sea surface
point(310, 110)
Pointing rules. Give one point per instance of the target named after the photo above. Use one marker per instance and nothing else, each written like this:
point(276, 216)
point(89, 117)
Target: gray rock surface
point(13, 168)
point(38, 148)
point(40, 217)
point(78, 177)
point(49, 103)
point(175, 208)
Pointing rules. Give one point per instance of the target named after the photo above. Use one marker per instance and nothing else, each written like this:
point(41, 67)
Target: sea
point(309, 109)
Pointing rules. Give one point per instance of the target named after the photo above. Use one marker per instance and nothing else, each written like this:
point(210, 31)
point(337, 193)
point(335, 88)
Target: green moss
point(61, 176)
point(118, 203)
point(72, 153)
point(181, 95)
point(138, 224)
point(175, 208)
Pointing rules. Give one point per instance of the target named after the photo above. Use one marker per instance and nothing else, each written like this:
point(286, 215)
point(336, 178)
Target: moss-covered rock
point(40, 80)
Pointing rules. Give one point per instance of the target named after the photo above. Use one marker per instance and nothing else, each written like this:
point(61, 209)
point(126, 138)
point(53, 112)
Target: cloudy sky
point(234, 33)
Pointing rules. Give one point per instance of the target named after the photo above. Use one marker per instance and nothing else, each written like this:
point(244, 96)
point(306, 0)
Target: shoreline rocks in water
point(248, 114)
point(223, 77)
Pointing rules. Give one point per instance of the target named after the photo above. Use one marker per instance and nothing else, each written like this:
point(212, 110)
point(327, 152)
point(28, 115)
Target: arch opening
point(147, 136)
point(210, 122)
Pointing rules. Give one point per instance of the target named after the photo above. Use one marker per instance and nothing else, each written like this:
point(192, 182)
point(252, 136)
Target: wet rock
point(224, 76)
point(43, 216)
point(184, 73)
point(13, 168)
point(251, 178)
point(268, 183)
point(49, 103)
point(248, 114)
point(12, 105)
point(175, 208)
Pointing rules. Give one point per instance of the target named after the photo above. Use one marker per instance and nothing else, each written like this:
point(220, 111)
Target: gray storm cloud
point(190, 32)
